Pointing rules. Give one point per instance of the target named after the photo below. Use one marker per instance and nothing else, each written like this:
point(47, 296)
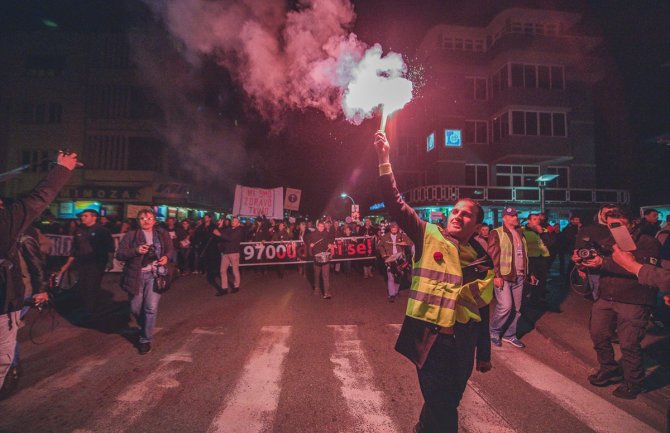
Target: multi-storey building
point(80, 90)
point(502, 105)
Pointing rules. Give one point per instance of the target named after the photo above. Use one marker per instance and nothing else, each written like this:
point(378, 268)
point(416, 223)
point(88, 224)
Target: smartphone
point(622, 237)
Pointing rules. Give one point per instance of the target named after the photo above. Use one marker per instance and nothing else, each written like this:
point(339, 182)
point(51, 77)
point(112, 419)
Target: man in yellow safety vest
point(447, 312)
point(538, 260)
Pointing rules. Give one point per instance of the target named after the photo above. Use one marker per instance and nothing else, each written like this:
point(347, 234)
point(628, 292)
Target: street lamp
point(345, 195)
point(542, 183)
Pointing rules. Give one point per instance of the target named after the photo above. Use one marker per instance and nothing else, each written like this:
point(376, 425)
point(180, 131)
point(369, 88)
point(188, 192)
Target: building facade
point(80, 91)
point(504, 104)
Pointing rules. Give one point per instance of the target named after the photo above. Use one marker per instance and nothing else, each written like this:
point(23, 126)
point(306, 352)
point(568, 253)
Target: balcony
point(443, 194)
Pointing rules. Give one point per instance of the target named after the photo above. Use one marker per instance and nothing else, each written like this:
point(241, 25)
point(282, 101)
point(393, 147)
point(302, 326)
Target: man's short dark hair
point(145, 211)
point(622, 213)
point(648, 211)
point(480, 209)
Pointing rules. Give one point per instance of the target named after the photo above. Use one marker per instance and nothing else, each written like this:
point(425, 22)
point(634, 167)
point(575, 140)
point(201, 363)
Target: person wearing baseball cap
point(509, 253)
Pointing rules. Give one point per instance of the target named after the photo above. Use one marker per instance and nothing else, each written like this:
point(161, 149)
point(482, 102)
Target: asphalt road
point(275, 358)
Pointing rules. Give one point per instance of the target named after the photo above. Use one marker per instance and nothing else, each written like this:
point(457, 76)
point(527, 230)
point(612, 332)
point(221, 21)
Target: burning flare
point(376, 81)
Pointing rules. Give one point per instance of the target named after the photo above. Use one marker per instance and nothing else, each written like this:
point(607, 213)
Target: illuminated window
point(430, 142)
point(452, 138)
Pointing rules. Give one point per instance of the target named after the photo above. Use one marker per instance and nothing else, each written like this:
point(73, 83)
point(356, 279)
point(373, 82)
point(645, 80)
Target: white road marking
point(365, 403)
point(395, 326)
point(138, 398)
point(252, 405)
point(594, 411)
point(476, 415)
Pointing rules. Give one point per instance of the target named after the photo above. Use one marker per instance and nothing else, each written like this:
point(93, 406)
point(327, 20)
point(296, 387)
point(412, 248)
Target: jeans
point(319, 271)
point(509, 298)
point(232, 259)
point(9, 326)
point(392, 286)
point(144, 307)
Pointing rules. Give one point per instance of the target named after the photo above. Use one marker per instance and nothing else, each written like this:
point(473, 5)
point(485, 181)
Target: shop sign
point(99, 193)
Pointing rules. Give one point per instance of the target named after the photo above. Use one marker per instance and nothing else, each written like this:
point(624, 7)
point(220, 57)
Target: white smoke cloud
point(283, 59)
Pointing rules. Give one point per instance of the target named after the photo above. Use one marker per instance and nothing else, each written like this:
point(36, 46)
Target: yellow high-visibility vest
point(437, 293)
point(536, 247)
point(507, 250)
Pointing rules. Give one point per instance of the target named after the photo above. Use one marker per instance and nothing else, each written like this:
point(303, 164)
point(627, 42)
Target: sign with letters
point(253, 202)
point(99, 193)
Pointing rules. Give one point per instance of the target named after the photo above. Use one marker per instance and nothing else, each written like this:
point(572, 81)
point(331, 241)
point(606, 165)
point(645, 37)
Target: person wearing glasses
point(92, 251)
point(142, 251)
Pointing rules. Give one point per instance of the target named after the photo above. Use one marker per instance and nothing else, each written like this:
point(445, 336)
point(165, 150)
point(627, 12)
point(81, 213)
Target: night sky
point(325, 157)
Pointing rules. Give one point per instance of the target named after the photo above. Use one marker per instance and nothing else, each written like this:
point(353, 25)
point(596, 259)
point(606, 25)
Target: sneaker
point(391, 299)
point(327, 296)
point(221, 292)
point(604, 378)
point(145, 348)
point(627, 391)
point(235, 290)
point(496, 341)
point(514, 342)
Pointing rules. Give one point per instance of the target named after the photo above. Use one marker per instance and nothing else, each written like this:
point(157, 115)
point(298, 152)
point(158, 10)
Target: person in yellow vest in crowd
point(447, 313)
point(509, 253)
point(538, 261)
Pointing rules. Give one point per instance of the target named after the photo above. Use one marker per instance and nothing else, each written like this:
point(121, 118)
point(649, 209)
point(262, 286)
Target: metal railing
point(435, 194)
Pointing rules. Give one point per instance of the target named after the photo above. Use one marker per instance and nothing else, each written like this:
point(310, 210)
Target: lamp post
point(345, 195)
point(542, 183)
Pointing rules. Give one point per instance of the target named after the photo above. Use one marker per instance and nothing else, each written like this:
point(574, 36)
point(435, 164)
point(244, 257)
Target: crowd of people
point(453, 270)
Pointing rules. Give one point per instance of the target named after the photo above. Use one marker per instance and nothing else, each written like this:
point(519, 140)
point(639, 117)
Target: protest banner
point(295, 252)
point(253, 202)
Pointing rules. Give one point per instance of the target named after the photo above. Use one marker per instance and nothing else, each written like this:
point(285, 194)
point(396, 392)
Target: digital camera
point(589, 251)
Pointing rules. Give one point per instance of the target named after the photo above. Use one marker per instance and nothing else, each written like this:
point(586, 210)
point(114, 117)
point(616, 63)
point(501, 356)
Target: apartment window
point(109, 102)
point(563, 179)
point(517, 175)
point(500, 127)
point(537, 76)
point(534, 123)
point(39, 114)
point(475, 88)
point(475, 132)
point(106, 152)
point(145, 153)
point(37, 159)
point(477, 174)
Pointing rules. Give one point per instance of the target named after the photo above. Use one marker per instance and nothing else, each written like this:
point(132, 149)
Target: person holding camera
point(14, 219)
point(142, 250)
point(593, 236)
point(625, 304)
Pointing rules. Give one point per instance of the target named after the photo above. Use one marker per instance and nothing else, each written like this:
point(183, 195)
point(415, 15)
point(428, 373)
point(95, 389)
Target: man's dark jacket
point(15, 218)
point(619, 285)
point(231, 238)
point(131, 279)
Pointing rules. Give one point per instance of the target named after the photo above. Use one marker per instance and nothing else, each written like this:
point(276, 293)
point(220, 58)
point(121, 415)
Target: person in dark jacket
point(319, 242)
point(231, 238)
point(594, 235)
point(566, 244)
point(92, 250)
point(624, 304)
point(143, 251)
point(14, 219)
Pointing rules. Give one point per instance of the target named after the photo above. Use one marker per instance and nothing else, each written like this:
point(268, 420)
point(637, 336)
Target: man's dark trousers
point(444, 376)
point(630, 322)
point(90, 280)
